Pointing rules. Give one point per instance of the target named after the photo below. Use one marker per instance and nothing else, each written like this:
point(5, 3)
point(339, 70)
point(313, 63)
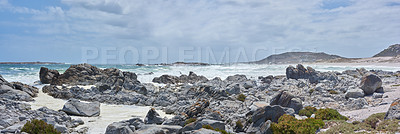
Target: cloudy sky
point(153, 31)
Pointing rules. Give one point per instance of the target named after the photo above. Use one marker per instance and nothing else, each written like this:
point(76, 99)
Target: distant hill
point(391, 51)
point(297, 57)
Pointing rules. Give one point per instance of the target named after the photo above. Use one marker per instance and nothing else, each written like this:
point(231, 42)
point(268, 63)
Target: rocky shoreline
point(255, 103)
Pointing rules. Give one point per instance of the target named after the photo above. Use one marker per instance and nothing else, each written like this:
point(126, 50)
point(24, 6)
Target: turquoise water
point(28, 73)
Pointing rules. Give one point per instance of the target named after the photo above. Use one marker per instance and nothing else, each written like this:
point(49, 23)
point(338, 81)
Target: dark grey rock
point(46, 75)
point(119, 128)
point(236, 78)
point(191, 78)
point(176, 120)
point(233, 89)
point(75, 107)
point(153, 117)
point(370, 83)
point(272, 113)
point(286, 99)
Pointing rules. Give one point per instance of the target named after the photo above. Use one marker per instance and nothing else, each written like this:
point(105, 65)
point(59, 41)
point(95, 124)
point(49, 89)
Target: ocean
point(29, 73)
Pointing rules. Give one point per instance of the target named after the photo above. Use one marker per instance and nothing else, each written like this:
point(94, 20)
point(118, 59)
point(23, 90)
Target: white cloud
point(325, 25)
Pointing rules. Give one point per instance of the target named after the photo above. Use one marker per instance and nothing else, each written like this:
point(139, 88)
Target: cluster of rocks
point(14, 113)
point(86, 74)
point(300, 72)
point(191, 78)
point(214, 101)
point(17, 91)
point(153, 123)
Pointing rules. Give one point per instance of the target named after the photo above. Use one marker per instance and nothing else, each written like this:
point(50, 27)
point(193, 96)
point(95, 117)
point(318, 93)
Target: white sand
point(108, 113)
point(361, 114)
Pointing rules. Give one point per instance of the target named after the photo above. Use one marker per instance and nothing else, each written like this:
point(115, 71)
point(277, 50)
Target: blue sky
point(154, 31)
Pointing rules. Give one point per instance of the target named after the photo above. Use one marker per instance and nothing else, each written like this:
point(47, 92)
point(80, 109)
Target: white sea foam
point(147, 73)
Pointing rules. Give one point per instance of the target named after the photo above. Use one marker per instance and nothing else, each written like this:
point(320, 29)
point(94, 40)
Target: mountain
point(391, 51)
point(297, 57)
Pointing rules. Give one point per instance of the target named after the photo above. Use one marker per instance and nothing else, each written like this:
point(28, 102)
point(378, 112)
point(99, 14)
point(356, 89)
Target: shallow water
point(108, 113)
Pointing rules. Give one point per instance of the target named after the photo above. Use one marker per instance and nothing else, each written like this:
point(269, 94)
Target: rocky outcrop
point(394, 110)
point(46, 75)
point(75, 107)
point(285, 99)
point(191, 78)
point(85, 74)
point(17, 91)
point(370, 83)
point(299, 72)
point(153, 117)
point(13, 115)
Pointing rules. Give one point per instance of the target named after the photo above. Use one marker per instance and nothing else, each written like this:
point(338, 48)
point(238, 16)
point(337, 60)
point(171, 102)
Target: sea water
point(30, 73)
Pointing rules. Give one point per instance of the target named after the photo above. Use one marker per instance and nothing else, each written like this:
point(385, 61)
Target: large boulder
point(46, 75)
point(75, 107)
point(286, 99)
point(370, 83)
point(394, 110)
point(153, 117)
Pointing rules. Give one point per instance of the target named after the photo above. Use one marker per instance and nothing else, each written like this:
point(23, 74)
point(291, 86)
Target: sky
point(212, 31)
